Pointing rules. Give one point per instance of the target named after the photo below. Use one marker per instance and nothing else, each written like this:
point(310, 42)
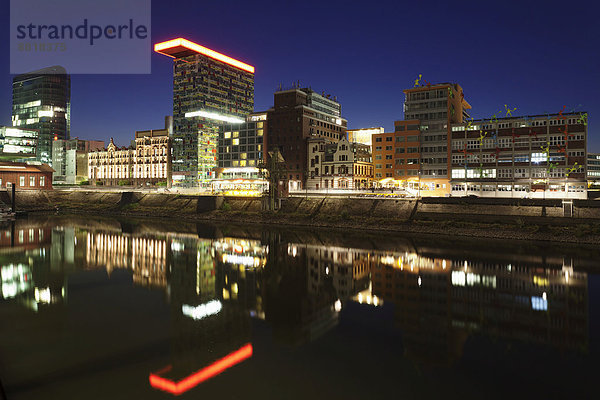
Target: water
point(110, 309)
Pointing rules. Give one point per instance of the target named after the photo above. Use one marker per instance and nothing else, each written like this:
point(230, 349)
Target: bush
point(124, 182)
point(162, 183)
point(84, 183)
point(100, 183)
point(226, 206)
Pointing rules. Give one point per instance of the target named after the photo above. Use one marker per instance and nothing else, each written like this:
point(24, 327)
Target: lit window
point(21, 181)
point(32, 181)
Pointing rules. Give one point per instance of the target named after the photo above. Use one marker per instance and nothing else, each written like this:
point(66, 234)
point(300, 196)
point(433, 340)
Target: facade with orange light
point(209, 88)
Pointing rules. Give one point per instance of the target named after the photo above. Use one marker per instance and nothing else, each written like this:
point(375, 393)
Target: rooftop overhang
point(180, 47)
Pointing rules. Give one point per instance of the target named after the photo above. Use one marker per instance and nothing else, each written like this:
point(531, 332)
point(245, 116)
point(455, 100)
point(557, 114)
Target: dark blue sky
point(536, 56)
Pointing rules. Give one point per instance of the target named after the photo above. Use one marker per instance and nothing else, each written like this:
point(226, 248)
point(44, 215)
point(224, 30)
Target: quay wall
point(429, 209)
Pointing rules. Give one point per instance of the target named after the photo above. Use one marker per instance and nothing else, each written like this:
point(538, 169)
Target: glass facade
point(204, 84)
point(42, 102)
point(17, 143)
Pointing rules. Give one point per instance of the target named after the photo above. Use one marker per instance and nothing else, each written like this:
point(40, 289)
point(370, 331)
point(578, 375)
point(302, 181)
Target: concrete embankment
point(535, 219)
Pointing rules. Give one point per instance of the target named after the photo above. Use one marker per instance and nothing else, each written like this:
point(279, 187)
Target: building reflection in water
point(216, 286)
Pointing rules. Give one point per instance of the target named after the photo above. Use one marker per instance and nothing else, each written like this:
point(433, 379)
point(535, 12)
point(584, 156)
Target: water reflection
point(216, 285)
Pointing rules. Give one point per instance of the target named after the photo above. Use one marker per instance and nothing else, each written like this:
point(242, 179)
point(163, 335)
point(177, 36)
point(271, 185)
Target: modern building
point(149, 163)
point(17, 143)
point(70, 159)
point(397, 161)
point(341, 165)
point(363, 135)
point(209, 88)
point(538, 156)
point(25, 176)
point(241, 156)
point(299, 114)
point(433, 108)
point(593, 168)
point(42, 102)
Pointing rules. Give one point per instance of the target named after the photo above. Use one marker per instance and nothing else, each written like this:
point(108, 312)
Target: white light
point(211, 115)
point(327, 270)
point(338, 305)
point(203, 310)
point(419, 281)
point(44, 113)
point(360, 299)
point(544, 296)
point(375, 301)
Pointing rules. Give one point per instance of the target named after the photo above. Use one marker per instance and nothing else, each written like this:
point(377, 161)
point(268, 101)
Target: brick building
point(25, 176)
point(299, 114)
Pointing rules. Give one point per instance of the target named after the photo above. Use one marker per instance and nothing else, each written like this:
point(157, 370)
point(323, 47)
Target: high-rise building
point(17, 143)
point(42, 101)
point(70, 159)
point(537, 156)
point(299, 114)
point(209, 88)
point(435, 108)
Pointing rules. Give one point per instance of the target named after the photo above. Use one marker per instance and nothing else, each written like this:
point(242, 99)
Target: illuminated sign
point(200, 376)
point(212, 115)
point(182, 47)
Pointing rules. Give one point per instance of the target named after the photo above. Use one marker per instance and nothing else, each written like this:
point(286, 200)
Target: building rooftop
point(24, 167)
point(180, 47)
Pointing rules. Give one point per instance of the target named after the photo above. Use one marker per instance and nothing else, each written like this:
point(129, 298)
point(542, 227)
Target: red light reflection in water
point(200, 376)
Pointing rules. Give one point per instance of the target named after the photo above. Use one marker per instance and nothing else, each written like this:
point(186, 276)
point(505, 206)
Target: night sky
point(535, 56)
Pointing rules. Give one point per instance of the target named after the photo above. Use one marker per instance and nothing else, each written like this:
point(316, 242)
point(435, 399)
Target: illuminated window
point(259, 132)
point(227, 135)
point(259, 125)
point(236, 134)
point(32, 181)
point(21, 181)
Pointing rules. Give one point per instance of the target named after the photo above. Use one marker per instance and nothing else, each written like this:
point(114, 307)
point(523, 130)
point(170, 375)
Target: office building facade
point(241, 156)
point(435, 107)
point(42, 102)
point(539, 156)
point(299, 114)
point(70, 159)
point(593, 167)
point(209, 88)
point(17, 143)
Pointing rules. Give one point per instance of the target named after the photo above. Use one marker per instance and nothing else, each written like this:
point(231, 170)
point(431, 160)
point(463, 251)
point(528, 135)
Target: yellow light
point(163, 48)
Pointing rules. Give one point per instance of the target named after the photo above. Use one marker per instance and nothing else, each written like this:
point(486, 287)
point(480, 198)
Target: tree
point(274, 171)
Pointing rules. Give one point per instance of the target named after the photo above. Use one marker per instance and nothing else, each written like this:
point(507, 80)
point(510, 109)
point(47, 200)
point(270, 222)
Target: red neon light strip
point(200, 376)
point(181, 42)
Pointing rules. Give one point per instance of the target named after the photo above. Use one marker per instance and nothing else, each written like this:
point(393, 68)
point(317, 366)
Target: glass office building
point(42, 102)
point(17, 144)
point(209, 89)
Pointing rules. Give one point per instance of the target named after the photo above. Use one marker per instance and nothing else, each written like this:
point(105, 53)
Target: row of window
point(22, 180)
